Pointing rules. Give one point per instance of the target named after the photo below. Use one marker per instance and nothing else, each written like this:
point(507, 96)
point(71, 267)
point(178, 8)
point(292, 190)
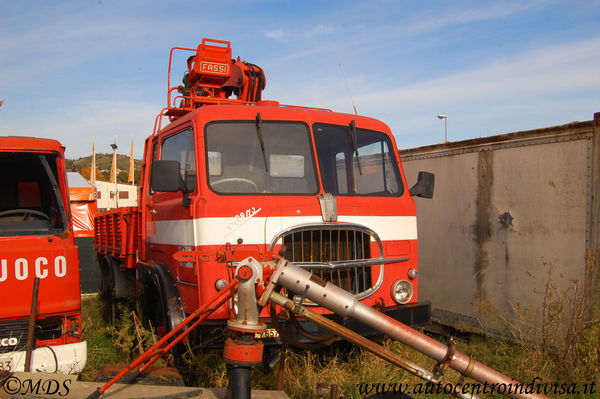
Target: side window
point(341, 176)
point(214, 163)
point(155, 151)
point(180, 147)
point(377, 169)
point(357, 163)
point(154, 156)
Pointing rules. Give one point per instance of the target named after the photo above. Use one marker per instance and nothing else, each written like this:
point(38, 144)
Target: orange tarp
point(82, 197)
point(83, 214)
point(82, 194)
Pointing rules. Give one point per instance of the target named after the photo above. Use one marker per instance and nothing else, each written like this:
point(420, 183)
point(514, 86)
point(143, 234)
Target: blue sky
point(74, 70)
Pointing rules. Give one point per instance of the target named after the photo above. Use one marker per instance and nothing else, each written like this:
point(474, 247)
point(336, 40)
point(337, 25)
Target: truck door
point(171, 228)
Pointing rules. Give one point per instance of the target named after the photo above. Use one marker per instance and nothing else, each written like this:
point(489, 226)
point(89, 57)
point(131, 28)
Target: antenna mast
point(348, 87)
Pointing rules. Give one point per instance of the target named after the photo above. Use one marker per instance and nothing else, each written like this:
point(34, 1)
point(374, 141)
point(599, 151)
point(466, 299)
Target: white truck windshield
point(260, 157)
point(265, 157)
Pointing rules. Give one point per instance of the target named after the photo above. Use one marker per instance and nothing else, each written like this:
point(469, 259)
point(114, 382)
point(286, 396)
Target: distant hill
point(103, 165)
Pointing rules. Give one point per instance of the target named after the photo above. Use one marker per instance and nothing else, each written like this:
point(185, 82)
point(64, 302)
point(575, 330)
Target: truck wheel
point(151, 308)
point(117, 290)
point(107, 287)
point(155, 316)
point(160, 305)
point(159, 298)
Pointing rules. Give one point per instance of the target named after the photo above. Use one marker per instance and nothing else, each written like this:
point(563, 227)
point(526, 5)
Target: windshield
point(28, 199)
point(260, 157)
point(356, 161)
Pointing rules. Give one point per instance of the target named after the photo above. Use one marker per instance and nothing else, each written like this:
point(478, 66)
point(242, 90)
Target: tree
point(103, 166)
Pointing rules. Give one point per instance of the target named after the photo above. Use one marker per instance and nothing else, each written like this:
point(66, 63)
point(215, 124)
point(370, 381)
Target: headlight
point(402, 291)
point(412, 273)
point(220, 284)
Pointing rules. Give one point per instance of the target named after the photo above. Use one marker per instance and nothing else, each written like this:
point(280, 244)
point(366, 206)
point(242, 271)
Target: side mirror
point(424, 186)
point(166, 176)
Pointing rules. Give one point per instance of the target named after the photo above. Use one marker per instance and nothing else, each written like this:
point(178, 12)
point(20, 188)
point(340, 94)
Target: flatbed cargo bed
point(117, 233)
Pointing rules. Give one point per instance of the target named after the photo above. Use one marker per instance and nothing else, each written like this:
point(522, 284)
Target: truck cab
point(230, 178)
point(36, 241)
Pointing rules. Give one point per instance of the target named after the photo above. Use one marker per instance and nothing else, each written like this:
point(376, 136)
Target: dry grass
point(566, 343)
point(347, 368)
point(108, 344)
point(567, 355)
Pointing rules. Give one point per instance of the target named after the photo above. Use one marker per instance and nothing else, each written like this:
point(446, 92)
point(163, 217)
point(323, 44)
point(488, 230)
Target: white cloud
point(301, 65)
point(76, 126)
point(319, 30)
point(564, 68)
point(547, 86)
point(276, 34)
point(554, 85)
point(439, 19)
point(30, 56)
point(311, 33)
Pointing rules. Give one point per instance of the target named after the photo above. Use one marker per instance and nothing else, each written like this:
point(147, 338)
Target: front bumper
point(64, 359)
point(210, 335)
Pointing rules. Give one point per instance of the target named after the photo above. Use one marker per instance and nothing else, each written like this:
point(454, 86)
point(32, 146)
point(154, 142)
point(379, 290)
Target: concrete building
point(127, 195)
point(510, 241)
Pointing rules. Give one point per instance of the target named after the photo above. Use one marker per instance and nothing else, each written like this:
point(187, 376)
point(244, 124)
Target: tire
point(117, 290)
point(160, 307)
point(106, 292)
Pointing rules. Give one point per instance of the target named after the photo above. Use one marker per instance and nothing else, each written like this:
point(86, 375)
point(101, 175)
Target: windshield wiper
point(352, 138)
point(260, 139)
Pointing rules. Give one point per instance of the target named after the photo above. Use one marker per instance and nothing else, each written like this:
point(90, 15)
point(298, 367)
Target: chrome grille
point(323, 248)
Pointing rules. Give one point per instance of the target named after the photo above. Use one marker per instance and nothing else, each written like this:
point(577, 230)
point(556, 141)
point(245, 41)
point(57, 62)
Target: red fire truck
point(234, 176)
point(36, 241)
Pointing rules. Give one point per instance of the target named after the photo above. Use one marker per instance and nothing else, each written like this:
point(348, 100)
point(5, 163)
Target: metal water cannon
point(257, 284)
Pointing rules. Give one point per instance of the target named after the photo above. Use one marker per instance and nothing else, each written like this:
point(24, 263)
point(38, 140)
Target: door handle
point(153, 212)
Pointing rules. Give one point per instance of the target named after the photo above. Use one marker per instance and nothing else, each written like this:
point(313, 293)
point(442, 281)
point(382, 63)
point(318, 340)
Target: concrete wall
point(504, 240)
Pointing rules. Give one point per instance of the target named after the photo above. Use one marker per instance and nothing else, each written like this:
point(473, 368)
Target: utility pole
point(445, 118)
point(114, 147)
